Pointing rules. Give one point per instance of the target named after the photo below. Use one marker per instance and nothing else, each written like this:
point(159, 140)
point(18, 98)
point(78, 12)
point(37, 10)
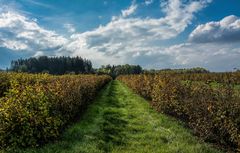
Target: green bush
point(35, 108)
point(212, 112)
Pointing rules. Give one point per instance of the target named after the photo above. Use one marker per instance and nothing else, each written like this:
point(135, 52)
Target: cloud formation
point(214, 57)
point(17, 32)
point(131, 35)
point(130, 10)
point(128, 39)
point(225, 30)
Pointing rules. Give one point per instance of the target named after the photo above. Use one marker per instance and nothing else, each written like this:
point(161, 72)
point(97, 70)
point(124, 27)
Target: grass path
point(119, 121)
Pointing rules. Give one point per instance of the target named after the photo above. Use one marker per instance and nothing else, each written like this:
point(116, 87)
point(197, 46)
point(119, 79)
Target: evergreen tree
point(52, 65)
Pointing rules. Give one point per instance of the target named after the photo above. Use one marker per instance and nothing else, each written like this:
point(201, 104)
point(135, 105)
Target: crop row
point(226, 78)
point(212, 112)
point(34, 109)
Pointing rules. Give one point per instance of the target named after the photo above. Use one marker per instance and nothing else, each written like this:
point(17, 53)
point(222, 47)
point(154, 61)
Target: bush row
point(226, 78)
point(4, 83)
point(213, 113)
point(35, 108)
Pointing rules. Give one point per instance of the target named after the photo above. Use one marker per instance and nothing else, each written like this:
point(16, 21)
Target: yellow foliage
point(35, 108)
point(212, 111)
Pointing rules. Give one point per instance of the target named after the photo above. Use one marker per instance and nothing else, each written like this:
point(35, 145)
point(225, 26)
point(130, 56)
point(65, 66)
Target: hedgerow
point(34, 109)
point(212, 112)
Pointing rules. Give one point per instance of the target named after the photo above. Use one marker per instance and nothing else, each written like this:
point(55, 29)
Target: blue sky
point(151, 33)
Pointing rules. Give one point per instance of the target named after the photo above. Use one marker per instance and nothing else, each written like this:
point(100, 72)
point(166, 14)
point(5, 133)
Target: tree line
point(116, 70)
point(52, 65)
point(187, 70)
point(72, 65)
point(78, 65)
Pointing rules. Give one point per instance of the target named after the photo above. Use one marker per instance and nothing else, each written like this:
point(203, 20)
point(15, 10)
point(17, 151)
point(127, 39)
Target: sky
point(155, 34)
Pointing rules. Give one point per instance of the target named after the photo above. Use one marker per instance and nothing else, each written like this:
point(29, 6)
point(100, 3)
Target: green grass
point(120, 121)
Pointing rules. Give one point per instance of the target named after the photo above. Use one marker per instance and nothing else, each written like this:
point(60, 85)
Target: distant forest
point(189, 70)
point(69, 65)
point(52, 65)
point(79, 65)
point(116, 70)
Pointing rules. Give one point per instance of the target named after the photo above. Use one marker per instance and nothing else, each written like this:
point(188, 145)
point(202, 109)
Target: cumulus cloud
point(123, 38)
point(13, 45)
point(214, 57)
point(225, 30)
point(17, 32)
point(38, 54)
point(126, 40)
point(130, 10)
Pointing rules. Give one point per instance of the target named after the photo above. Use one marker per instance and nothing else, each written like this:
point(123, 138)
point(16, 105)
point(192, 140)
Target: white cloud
point(225, 30)
point(179, 15)
point(13, 45)
point(70, 28)
point(130, 10)
point(214, 57)
point(17, 32)
point(38, 54)
point(126, 40)
point(148, 2)
point(123, 38)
